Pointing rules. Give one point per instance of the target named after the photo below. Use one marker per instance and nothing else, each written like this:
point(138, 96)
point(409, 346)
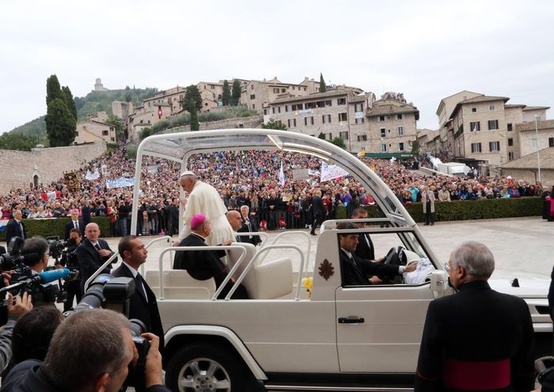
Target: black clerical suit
point(355, 270)
point(141, 307)
point(477, 339)
point(205, 264)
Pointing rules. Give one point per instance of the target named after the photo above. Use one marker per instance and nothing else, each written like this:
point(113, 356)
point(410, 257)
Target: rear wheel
point(206, 368)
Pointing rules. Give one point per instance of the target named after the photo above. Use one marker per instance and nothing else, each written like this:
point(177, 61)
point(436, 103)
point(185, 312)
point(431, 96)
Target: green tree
point(272, 124)
point(321, 136)
point(60, 124)
point(69, 101)
point(53, 89)
point(119, 126)
point(235, 94)
point(226, 97)
point(193, 99)
point(17, 141)
point(194, 123)
point(339, 142)
point(322, 85)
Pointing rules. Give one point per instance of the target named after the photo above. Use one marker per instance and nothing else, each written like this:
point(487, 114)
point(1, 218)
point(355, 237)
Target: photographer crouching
point(90, 351)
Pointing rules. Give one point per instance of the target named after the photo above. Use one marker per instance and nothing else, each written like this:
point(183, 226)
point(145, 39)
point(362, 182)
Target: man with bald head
point(92, 253)
point(15, 227)
point(235, 220)
point(204, 199)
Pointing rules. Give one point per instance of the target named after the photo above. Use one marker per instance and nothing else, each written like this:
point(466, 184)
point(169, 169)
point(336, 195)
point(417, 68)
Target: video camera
point(22, 278)
point(113, 293)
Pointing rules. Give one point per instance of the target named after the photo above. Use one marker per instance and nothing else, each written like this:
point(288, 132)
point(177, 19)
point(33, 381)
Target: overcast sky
point(425, 49)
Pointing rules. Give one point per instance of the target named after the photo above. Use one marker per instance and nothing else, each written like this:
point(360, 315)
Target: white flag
point(330, 172)
point(282, 175)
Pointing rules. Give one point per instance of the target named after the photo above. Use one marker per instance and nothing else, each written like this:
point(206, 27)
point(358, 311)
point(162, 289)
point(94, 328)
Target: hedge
point(467, 210)
point(453, 211)
point(56, 226)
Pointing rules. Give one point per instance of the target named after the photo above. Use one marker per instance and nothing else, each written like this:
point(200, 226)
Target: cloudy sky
point(426, 49)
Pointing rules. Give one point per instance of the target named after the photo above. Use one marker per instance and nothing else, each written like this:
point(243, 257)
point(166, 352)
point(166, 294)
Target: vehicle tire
point(206, 368)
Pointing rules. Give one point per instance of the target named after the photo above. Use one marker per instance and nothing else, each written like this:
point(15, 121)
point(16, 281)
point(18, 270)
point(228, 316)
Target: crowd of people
point(237, 180)
point(242, 178)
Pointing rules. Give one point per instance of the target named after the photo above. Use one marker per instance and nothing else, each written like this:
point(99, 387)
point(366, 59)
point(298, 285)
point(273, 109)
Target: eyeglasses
point(447, 266)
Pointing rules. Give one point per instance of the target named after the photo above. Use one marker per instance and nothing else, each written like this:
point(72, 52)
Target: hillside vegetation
point(94, 102)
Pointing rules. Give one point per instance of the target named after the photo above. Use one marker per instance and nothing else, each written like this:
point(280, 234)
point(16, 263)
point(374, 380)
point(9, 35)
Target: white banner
point(92, 176)
point(330, 172)
point(120, 183)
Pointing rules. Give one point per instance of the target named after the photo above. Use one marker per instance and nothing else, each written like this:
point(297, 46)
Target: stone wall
point(21, 168)
point(230, 123)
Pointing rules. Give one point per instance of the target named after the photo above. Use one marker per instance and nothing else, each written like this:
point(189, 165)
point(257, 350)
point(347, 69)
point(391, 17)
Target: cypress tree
point(235, 95)
point(322, 85)
point(53, 89)
point(226, 97)
point(69, 101)
point(60, 124)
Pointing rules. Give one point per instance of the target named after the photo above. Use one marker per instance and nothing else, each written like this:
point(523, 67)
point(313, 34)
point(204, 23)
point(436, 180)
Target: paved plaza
point(523, 247)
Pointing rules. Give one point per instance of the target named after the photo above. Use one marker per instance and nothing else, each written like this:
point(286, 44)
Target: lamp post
point(537, 117)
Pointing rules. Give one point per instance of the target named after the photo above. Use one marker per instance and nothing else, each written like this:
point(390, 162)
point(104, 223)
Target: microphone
point(53, 275)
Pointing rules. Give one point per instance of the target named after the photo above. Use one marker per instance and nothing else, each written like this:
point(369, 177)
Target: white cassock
point(204, 199)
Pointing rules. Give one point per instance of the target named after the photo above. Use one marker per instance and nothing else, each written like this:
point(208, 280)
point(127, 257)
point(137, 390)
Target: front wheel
point(205, 368)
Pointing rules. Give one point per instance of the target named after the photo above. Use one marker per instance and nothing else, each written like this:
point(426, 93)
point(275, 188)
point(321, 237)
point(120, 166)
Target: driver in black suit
point(355, 271)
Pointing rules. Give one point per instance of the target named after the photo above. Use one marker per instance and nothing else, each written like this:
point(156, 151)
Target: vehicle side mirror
point(439, 282)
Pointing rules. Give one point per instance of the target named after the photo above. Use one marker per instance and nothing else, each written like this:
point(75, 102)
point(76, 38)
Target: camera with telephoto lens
point(113, 293)
point(55, 246)
point(23, 279)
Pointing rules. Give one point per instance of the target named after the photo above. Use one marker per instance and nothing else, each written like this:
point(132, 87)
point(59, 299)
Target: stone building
point(480, 129)
point(386, 126)
point(95, 129)
point(526, 168)
point(258, 94)
point(391, 125)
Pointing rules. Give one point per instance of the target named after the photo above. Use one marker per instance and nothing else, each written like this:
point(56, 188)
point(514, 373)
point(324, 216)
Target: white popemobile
point(357, 338)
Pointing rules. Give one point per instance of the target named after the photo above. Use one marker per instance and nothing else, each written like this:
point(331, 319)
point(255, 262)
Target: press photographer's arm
point(17, 306)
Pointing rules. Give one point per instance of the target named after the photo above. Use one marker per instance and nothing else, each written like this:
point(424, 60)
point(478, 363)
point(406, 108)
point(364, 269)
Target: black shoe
point(312, 233)
point(426, 224)
point(433, 224)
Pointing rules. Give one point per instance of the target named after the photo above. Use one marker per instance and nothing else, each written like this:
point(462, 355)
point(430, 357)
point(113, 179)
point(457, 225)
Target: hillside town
point(487, 133)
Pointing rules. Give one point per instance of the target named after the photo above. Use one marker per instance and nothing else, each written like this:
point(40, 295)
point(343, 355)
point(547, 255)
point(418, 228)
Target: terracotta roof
point(391, 107)
point(528, 108)
point(327, 94)
point(530, 161)
point(484, 98)
point(530, 125)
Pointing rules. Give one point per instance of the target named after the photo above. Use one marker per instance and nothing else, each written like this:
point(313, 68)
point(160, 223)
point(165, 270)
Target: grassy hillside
point(94, 102)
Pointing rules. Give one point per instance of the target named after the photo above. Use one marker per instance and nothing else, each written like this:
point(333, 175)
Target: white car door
point(379, 327)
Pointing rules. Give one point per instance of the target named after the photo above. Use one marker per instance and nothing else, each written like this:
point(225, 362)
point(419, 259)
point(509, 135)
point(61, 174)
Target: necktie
point(97, 246)
point(140, 286)
point(76, 225)
point(21, 229)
